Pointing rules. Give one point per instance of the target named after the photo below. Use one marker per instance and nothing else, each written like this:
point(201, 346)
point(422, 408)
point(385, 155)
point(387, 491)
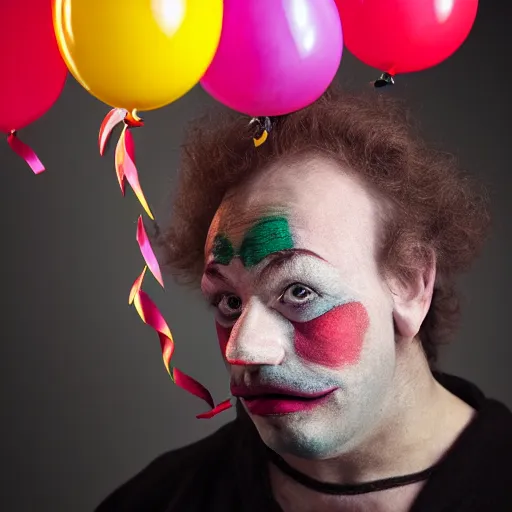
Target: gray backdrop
point(85, 399)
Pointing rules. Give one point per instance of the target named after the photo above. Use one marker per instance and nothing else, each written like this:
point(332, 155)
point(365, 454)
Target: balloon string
point(126, 168)
point(25, 152)
point(125, 151)
point(111, 120)
point(147, 252)
point(125, 158)
point(150, 315)
point(145, 307)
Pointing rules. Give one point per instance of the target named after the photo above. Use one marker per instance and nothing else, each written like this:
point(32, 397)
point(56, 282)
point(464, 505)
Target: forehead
point(326, 209)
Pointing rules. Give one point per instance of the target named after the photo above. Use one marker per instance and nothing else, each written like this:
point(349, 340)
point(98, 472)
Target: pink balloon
point(402, 36)
point(32, 71)
point(275, 56)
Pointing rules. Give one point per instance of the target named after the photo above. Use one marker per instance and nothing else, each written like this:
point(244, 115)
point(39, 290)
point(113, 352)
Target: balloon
point(140, 54)
point(32, 72)
point(402, 36)
point(275, 56)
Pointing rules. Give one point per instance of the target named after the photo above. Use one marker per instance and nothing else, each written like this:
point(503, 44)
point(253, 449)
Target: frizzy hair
point(435, 207)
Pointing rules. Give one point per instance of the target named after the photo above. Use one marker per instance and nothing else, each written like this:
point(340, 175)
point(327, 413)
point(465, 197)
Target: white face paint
point(315, 318)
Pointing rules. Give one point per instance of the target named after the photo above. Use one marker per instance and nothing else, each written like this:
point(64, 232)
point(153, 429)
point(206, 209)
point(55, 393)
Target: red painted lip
point(267, 401)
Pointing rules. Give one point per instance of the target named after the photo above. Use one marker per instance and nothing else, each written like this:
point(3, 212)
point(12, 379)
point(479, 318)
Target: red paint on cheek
point(334, 339)
point(223, 334)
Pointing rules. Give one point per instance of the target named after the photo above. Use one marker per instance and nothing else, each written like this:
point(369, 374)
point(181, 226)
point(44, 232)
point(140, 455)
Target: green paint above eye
point(269, 235)
point(223, 251)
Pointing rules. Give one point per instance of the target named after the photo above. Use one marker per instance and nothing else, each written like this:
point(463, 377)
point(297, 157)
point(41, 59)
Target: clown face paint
point(303, 319)
point(319, 341)
point(269, 235)
point(334, 339)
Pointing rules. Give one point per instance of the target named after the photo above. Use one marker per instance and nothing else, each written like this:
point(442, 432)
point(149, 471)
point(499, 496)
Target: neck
point(419, 422)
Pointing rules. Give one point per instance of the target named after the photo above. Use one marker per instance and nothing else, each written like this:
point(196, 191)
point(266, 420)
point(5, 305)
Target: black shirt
point(227, 471)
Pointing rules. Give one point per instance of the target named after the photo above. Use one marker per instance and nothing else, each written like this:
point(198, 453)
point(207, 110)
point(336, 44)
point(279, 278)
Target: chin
point(296, 435)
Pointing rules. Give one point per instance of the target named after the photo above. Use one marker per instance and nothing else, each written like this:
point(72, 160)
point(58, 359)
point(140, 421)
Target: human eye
point(229, 305)
point(297, 294)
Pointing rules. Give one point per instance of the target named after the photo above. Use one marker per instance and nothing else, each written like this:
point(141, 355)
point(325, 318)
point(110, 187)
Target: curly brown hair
point(435, 206)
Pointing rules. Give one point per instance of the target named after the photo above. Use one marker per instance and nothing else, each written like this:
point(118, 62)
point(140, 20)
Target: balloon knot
point(132, 120)
point(384, 80)
point(263, 128)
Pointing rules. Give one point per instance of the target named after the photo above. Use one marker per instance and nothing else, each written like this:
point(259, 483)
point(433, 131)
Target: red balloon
point(402, 36)
point(32, 71)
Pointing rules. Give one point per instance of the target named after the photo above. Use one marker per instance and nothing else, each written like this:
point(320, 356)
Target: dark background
point(85, 399)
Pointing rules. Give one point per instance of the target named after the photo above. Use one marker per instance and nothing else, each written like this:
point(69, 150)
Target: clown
point(329, 257)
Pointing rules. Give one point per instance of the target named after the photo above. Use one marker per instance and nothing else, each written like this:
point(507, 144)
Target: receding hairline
point(227, 217)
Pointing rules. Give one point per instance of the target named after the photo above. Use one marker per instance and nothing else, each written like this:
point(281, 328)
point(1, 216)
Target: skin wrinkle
point(275, 262)
point(388, 397)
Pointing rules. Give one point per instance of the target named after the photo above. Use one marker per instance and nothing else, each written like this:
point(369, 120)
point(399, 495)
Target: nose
point(258, 337)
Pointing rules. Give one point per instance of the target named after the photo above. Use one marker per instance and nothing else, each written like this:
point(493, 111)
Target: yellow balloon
point(138, 54)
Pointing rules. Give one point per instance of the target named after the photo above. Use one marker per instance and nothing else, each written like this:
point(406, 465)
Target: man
point(329, 255)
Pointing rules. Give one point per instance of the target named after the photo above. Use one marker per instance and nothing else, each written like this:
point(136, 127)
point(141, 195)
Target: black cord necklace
point(347, 489)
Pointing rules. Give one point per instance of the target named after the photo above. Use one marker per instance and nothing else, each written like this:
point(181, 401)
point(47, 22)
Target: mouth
point(278, 402)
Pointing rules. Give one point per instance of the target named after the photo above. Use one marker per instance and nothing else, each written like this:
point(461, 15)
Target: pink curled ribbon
point(125, 151)
point(150, 315)
point(147, 252)
point(25, 152)
point(126, 170)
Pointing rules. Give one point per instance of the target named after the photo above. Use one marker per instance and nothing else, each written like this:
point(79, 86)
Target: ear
point(412, 298)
